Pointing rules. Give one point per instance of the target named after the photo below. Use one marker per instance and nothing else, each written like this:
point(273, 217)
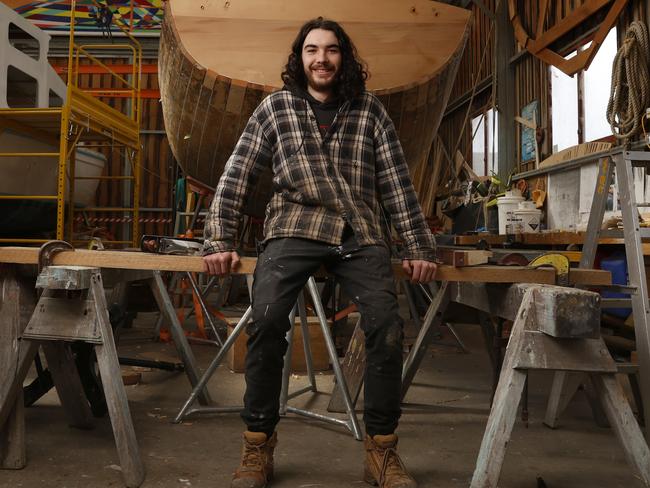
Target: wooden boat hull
point(206, 110)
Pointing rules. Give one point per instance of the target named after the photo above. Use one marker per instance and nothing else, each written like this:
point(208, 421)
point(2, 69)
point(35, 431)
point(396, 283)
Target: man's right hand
point(221, 263)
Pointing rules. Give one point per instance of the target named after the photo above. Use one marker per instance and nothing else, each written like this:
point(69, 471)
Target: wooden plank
point(578, 15)
point(61, 319)
point(146, 261)
point(459, 258)
point(546, 352)
point(541, 17)
point(118, 407)
point(567, 313)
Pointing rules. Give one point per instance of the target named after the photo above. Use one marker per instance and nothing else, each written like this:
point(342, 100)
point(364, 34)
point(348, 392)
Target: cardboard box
point(320, 358)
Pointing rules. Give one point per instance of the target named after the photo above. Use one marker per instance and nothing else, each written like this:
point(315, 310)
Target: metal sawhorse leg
point(352, 423)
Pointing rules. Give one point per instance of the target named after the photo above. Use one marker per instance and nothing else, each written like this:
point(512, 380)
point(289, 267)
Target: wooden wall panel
point(470, 63)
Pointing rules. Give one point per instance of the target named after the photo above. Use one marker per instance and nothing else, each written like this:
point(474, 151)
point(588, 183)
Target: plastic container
point(617, 266)
point(507, 206)
point(528, 218)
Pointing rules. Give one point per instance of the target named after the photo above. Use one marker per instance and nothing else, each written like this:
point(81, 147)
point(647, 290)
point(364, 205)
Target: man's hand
point(419, 271)
point(221, 263)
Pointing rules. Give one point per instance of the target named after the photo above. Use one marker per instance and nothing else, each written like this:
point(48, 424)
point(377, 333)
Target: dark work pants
point(365, 274)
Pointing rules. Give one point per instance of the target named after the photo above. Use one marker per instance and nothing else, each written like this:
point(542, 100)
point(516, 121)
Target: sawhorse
point(71, 308)
point(351, 423)
point(557, 328)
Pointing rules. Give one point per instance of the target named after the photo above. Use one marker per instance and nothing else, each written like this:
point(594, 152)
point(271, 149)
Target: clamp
point(48, 250)
point(557, 261)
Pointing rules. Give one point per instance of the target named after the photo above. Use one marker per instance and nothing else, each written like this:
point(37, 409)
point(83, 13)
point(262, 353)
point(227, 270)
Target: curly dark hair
point(352, 76)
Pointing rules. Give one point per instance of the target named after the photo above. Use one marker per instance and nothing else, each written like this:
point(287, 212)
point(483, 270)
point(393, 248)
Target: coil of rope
point(630, 92)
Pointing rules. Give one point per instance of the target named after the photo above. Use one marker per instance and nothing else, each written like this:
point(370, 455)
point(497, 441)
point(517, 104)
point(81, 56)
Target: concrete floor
point(440, 434)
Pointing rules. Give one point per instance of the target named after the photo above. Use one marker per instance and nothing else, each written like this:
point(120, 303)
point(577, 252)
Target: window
point(22, 41)
point(484, 140)
point(564, 110)
point(598, 82)
point(478, 145)
point(566, 102)
point(22, 89)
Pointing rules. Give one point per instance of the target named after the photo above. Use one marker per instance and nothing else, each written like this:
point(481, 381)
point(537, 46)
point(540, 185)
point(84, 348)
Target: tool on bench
point(170, 245)
point(558, 261)
point(182, 247)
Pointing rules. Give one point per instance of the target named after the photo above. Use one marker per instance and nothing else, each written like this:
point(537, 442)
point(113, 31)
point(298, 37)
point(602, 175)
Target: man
point(336, 161)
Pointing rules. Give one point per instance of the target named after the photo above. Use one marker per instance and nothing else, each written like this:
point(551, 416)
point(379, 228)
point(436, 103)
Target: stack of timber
point(218, 60)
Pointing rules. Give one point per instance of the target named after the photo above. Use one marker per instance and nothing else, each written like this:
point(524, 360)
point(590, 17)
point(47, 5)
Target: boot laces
point(391, 466)
point(253, 458)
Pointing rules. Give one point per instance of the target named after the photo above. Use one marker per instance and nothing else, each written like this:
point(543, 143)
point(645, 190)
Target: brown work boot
point(256, 468)
point(382, 466)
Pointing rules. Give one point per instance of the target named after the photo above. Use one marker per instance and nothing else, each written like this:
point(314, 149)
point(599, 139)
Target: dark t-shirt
point(325, 112)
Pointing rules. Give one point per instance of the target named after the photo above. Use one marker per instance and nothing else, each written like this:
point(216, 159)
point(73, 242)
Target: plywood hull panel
point(205, 110)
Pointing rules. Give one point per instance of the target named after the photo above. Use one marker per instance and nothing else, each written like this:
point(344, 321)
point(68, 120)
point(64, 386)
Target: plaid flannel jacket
point(321, 182)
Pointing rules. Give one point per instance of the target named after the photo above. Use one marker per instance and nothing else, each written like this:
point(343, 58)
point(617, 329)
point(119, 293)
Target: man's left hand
point(419, 271)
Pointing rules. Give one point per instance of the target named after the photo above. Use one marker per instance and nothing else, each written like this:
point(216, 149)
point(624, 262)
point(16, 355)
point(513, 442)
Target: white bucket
point(507, 205)
point(528, 217)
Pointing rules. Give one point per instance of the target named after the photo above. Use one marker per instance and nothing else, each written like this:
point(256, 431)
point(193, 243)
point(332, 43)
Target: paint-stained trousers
point(365, 274)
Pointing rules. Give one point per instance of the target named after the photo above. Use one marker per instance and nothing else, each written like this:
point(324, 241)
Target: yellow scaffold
point(84, 121)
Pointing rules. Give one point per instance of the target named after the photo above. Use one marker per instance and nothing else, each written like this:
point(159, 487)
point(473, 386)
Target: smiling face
point(321, 59)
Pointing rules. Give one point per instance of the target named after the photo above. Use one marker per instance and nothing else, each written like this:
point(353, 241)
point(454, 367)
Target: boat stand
point(352, 423)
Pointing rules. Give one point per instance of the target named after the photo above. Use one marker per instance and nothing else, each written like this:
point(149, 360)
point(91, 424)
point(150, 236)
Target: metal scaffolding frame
point(85, 121)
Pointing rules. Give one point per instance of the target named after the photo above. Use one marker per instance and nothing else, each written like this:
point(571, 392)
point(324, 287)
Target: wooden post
point(505, 81)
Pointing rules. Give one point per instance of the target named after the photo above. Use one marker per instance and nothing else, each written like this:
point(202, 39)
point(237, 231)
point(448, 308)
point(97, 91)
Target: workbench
point(548, 238)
